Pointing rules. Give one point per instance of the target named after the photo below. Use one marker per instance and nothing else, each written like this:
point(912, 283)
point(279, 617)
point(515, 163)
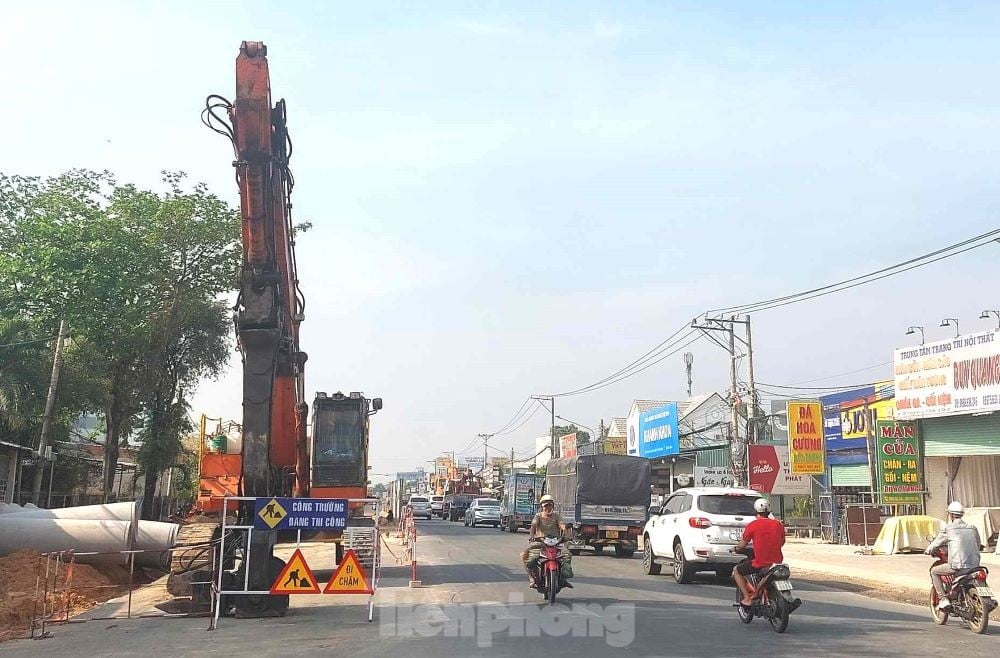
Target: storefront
point(849, 420)
point(952, 388)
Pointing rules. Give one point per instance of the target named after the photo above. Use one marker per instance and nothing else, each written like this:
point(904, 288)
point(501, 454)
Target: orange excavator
point(278, 458)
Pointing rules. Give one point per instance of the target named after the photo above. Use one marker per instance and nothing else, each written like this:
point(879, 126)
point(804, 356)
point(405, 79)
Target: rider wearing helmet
point(963, 550)
point(547, 523)
point(768, 536)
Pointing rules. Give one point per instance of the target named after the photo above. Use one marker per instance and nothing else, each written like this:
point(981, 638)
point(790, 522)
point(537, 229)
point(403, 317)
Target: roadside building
point(952, 389)
point(11, 455)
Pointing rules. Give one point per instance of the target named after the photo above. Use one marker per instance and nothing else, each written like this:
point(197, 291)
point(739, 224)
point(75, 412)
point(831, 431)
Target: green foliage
point(582, 436)
point(803, 506)
point(137, 275)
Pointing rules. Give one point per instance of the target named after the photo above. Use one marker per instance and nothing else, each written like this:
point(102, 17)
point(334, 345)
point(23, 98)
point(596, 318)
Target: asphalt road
point(476, 603)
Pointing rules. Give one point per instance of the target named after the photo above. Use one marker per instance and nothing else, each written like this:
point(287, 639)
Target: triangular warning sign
point(296, 577)
point(349, 578)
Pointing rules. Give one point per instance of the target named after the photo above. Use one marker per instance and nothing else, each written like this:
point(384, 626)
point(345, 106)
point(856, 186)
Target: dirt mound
point(24, 571)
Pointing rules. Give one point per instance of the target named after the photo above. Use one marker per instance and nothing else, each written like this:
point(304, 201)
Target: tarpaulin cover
point(599, 480)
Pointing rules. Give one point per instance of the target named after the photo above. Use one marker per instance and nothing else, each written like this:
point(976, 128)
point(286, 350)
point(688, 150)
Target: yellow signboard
point(614, 445)
point(349, 578)
point(296, 577)
point(806, 444)
point(272, 513)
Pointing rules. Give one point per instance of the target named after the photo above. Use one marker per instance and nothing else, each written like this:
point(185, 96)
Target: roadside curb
point(872, 589)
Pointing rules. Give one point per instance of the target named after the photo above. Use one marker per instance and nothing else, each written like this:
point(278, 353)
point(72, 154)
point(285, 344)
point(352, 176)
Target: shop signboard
point(949, 377)
point(567, 445)
point(898, 450)
point(658, 432)
point(807, 448)
point(713, 476)
point(614, 445)
point(770, 472)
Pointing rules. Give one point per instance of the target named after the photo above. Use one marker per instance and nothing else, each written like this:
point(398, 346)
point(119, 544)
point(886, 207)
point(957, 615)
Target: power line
point(642, 359)
point(849, 372)
point(905, 266)
point(523, 422)
point(30, 342)
point(632, 373)
point(516, 416)
point(846, 387)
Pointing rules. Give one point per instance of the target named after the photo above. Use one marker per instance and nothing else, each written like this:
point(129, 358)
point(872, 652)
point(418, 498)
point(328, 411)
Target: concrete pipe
point(109, 512)
point(82, 536)
point(158, 538)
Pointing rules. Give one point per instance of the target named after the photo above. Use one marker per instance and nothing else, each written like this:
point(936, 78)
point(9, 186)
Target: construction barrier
point(351, 535)
point(56, 591)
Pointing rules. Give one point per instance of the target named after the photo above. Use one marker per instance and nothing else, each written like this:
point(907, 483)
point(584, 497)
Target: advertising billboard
point(898, 451)
point(770, 472)
point(567, 445)
point(658, 432)
point(950, 377)
point(845, 423)
point(713, 476)
point(806, 445)
point(614, 445)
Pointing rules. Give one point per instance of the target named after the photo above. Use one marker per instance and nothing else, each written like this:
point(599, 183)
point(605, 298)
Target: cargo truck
point(604, 497)
point(519, 503)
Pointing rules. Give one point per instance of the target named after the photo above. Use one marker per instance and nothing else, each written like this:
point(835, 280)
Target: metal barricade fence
point(218, 592)
point(53, 600)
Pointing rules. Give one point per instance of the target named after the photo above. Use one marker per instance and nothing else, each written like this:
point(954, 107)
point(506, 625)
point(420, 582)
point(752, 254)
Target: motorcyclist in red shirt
point(768, 536)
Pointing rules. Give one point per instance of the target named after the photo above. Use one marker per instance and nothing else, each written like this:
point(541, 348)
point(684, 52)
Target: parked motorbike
point(970, 596)
point(548, 569)
point(773, 596)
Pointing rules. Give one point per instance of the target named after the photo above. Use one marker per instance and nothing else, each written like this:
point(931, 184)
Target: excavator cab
point(340, 445)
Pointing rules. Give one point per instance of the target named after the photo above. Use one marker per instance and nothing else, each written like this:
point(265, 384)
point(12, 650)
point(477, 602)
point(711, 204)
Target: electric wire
point(905, 266)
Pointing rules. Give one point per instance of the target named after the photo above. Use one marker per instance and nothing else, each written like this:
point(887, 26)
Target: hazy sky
point(515, 198)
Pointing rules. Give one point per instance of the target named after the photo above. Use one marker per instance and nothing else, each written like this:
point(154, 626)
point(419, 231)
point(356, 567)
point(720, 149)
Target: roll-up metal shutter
point(955, 436)
point(851, 475)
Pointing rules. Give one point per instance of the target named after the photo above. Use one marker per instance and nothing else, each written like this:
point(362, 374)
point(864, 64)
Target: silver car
point(421, 506)
point(483, 511)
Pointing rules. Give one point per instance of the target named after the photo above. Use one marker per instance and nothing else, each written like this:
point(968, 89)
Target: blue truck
point(519, 503)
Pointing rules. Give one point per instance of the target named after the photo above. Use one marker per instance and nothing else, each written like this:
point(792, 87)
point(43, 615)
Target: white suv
point(695, 529)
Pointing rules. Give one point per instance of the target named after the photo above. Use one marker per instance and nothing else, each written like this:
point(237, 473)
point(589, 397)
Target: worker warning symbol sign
point(349, 578)
point(271, 512)
point(296, 577)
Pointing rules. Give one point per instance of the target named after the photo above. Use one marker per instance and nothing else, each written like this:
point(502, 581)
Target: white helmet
point(547, 499)
point(762, 506)
point(956, 509)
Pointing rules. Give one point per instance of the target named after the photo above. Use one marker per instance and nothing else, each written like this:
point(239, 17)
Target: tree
point(120, 265)
point(23, 358)
point(582, 436)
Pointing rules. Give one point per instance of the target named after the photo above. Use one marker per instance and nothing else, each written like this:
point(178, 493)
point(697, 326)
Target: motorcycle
point(773, 595)
point(970, 596)
point(548, 568)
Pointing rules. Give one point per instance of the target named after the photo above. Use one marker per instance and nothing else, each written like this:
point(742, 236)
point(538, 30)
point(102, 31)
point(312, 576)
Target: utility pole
point(753, 388)
point(737, 449)
point(511, 460)
point(553, 451)
point(50, 411)
point(688, 362)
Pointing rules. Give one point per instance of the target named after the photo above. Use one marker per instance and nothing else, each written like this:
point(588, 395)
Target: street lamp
point(913, 330)
point(985, 315)
point(947, 322)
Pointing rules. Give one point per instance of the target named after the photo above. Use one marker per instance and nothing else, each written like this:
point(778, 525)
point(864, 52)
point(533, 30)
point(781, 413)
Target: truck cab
point(339, 454)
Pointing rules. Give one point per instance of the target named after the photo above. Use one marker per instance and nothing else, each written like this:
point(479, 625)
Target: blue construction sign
point(300, 514)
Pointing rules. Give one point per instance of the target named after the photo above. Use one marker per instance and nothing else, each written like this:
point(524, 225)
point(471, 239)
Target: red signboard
point(567, 445)
point(769, 471)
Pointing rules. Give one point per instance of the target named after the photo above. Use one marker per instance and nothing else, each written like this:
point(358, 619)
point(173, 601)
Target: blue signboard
point(300, 514)
point(658, 432)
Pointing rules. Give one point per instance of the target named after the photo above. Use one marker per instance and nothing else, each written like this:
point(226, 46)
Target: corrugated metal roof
point(692, 403)
point(646, 405)
point(618, 428)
